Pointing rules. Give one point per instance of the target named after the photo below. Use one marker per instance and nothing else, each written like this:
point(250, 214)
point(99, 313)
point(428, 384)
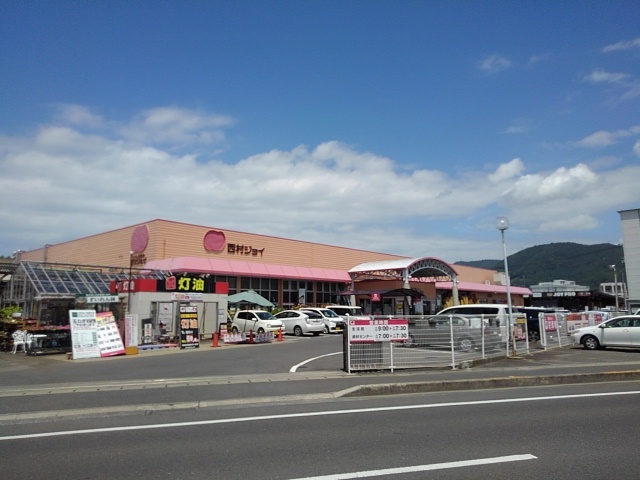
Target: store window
point(267, 287)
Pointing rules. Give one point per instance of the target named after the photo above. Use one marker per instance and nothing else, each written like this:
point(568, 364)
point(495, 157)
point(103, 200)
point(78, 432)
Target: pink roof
point(247, 269)
point(483, 287)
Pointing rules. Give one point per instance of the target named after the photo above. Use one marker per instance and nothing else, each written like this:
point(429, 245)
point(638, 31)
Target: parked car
point(468, 332)
point(298, 322)
point(258, 321)
point(348, 311)
point(621, 331)
point(333, 323)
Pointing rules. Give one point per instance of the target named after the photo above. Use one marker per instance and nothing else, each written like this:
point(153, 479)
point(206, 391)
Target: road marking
point(422, 468)
point(295, 367)
point(310, 414)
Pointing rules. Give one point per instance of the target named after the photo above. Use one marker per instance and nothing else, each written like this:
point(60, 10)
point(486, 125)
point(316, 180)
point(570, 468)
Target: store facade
point(149, 266)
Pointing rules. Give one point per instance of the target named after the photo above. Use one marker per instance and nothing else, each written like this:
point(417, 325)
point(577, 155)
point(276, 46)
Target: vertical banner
point(84, 334)
point(131, 337)
point(109, 339)
point(189, 333)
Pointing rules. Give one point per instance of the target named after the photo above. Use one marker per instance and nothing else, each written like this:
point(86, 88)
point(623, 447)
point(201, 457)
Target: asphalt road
point(49, 387)
point(559, 432)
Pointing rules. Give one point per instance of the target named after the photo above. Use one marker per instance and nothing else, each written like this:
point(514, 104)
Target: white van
point(495, 314)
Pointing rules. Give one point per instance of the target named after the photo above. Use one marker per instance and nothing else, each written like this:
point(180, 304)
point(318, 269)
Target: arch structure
point(405, 269)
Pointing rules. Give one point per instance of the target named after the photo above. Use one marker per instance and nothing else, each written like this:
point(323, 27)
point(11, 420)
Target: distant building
point(630, 220)
point(560, 294)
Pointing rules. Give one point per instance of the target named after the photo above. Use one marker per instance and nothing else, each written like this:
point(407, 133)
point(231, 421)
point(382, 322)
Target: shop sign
point(96, 298)
point(189, 332)
point(187, 284)
point(187, 297)
point(375, 297)
point(383, 330)
point(245, 250)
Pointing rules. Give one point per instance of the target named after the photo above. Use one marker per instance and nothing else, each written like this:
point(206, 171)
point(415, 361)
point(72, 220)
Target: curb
point(487, 383)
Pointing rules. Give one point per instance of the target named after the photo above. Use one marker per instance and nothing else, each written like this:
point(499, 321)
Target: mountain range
point(587, 265)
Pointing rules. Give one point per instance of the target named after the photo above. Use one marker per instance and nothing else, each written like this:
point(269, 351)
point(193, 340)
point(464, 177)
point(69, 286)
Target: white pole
point(503, 224)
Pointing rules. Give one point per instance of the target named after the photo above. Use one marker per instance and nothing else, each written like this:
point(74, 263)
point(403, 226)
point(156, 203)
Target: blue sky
point(404, 127)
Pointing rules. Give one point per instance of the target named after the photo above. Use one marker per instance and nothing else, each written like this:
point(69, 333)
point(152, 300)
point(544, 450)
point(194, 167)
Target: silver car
point(621, 331)
point(466, 332)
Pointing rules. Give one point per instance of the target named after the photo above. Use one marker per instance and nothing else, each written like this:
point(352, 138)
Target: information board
point(84, 334)
point(380, 330)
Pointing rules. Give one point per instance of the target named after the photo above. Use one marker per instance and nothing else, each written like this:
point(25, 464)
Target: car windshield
point(330, 313)
point(265, 316)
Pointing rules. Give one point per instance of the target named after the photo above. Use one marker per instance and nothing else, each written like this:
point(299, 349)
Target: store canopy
point(404, 268)
point(218, 266)
point(249, 297)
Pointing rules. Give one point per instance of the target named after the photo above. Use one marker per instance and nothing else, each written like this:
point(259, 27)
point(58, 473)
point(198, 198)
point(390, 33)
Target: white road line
point(422, 468)
point(295, 367)
point(309, 414)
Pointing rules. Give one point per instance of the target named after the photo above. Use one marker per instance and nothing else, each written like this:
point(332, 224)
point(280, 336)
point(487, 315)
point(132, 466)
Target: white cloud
point(507, 171)
point(624, 45)
point(177, 126)
point(636, 148)
point(605, 139)
point(561, 183)
point(577, 222)
point(494, 64)
point(600, 76)
point(77, 115)
point(81, 183)
point(534, 59)
point(627, 84)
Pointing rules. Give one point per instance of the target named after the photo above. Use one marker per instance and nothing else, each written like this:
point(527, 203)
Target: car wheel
point(261, 330)
point(234, 330)
point(297, 331)
point(326, 329)
point(590, 342)
point(465, 344)
point(534, 336)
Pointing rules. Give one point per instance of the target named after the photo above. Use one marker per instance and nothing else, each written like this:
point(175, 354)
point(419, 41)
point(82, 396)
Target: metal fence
point(451, 341)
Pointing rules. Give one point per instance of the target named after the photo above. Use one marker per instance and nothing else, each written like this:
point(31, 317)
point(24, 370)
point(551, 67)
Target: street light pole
point(503, 224)
point(129, 282)
point(615, 285)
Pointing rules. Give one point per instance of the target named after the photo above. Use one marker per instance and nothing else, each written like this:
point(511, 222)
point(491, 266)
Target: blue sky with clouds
point(404, 127)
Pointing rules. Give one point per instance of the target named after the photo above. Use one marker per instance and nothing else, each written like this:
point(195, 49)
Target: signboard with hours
point(383, 330)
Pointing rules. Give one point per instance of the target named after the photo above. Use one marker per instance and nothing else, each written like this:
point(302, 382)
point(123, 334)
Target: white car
point(621, 331)
point(298, 323)
point(333, 323)
point(349, 312)
point(257, 321)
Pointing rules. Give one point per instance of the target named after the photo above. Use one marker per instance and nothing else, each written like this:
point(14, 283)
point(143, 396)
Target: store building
point(154, 267)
